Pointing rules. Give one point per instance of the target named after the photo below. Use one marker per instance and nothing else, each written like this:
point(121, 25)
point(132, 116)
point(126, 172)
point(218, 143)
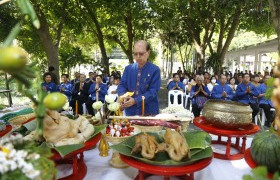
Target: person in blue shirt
point(48, 85)
point(222, 91)
point(96, 88)
point(265, 104)
point(176, 85)
point(246, 93)
point(77, 77)
point(200, 95)
point(65, 86)
point(142, 78)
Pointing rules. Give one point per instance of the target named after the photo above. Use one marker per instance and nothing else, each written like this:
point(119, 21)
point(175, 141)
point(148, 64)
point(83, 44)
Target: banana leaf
point(11, 115)
point(67, 149)
point(199, 143)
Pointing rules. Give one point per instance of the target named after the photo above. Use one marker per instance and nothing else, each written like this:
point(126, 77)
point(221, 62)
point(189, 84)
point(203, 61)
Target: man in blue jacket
point(247, 93)
point(222, 90)
point(96, 88)
point(142, 78)
point(65, 86)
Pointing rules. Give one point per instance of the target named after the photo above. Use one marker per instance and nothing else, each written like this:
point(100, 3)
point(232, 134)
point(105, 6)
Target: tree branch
point(60, 26)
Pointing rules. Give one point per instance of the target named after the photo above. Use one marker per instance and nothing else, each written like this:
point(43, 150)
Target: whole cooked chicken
point(175, 145)
point(60, 130)
point(145, 143)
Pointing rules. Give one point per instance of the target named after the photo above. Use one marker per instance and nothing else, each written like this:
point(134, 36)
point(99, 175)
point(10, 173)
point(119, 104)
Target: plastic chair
point(261, 116)
point(176, 94)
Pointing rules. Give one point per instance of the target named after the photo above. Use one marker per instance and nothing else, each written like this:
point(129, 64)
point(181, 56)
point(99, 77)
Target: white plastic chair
point(262, 117)
point(187, 95)
point(176, 94)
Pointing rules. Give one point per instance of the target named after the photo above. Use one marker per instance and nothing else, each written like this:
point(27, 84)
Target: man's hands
point(248, 90)
point(224, 94)
point(128, 102)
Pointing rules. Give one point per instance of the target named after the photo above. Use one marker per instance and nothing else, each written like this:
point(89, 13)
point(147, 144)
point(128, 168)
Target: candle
point(77, 112)
point(143, 105)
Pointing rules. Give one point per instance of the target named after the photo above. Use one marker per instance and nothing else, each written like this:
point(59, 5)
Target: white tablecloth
point(98, 168)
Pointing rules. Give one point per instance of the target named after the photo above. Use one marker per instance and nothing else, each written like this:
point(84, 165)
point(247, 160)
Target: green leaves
point(13, 34)
point(260, 173)
point(27, 9)
point(269, 89)
point(199, 143)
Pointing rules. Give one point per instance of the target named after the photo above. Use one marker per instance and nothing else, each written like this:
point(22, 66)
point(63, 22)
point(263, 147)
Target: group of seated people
point(82, 90)
point(244, 88)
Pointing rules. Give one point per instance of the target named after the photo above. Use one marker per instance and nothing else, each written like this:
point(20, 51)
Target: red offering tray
point(7, 130)
point(146, 170)
point(76, 158)
point(229, 133)
point(250, 161)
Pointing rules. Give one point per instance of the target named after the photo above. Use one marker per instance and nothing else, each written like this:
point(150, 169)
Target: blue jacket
point(262, 88)
point(143, 82)
point(102, 92)
point(218, 92)
point(173, 84)
point(246, 98)
point(194, 89)
point(68, 87)
point(51, 87)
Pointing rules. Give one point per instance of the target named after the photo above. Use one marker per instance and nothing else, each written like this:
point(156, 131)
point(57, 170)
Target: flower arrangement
point(110, 104)
point(24, 160)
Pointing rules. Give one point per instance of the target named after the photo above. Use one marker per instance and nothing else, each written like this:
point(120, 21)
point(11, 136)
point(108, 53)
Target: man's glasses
point(139, 53)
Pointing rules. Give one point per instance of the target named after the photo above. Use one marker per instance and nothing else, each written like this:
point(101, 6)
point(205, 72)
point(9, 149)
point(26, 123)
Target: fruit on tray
point(119, 129)
point(265, 150)
point(175, 145)
point(147, 144)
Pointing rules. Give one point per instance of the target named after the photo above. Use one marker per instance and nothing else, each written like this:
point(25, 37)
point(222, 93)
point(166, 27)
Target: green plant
point(25, 160)
point(260, 173)
point(270, 87)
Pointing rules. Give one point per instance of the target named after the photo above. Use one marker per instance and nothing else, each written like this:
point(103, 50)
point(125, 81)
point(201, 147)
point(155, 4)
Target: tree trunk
point(182, 58)
point(45, 38)
point(130, 36)
point(167, 59)
point(232, 30)
point(50, 47)
point(171, 62)
point(200, 56)
point(275, 13)
point(100, 37)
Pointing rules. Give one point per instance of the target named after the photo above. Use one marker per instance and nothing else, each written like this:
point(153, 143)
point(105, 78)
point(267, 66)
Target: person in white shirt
point(211, 85)
point(113, 88)
point(186, 79)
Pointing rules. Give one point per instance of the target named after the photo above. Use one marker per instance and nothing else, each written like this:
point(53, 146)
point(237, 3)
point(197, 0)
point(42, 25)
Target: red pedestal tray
point(229, 133)
point(146, 170)
point(76, 158)
point(7, 130)
point(250, 161)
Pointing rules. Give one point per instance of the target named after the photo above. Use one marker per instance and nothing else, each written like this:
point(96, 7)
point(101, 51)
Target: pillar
point(256, 61)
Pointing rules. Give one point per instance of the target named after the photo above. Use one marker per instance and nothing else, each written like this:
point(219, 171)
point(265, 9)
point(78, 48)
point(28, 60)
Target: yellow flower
point(5, 150)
